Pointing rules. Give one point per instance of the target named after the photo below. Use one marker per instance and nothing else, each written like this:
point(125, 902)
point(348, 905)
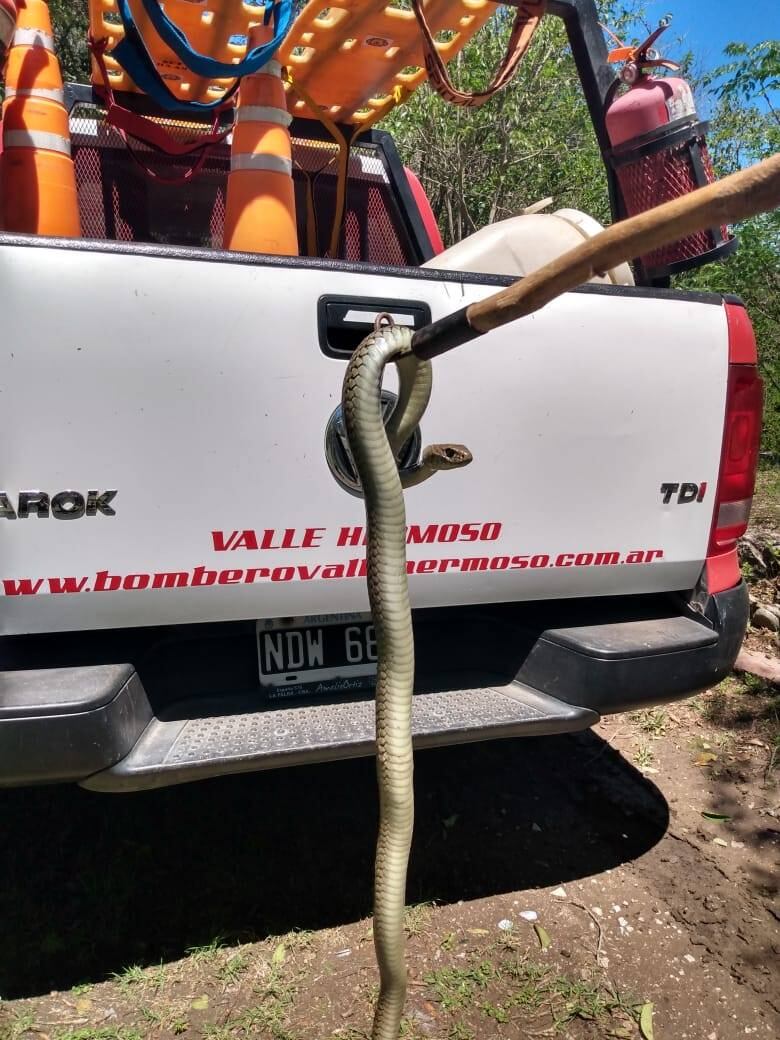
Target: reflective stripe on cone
point(40, 92)
point(260, 204)
point(33, 38)
point(262, 161)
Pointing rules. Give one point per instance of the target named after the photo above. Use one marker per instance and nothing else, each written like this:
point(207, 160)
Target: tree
point(70, 22)
point(746, 128)
point(533, 140)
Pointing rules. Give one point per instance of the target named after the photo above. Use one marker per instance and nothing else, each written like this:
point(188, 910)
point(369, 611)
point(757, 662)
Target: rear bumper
point(482, 673)
point(619, 666)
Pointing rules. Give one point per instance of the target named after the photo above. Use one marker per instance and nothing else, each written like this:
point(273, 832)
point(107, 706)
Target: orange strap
point(529, 15)
point(342, 175)
point(341, 181)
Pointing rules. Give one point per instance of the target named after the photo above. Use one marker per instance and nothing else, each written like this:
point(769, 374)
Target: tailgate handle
point(343, 321)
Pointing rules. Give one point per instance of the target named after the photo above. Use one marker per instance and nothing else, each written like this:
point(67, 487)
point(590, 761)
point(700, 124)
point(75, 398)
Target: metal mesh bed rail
point(118, 200)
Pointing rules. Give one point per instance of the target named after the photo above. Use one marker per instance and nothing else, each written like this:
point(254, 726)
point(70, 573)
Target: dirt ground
point(560, 886)
point(617, 883)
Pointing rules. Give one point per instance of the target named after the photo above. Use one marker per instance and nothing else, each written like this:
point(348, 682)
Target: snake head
point(447, 456)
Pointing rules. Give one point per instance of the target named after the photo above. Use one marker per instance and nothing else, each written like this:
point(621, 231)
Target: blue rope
point(202, 64)
point(134, 58)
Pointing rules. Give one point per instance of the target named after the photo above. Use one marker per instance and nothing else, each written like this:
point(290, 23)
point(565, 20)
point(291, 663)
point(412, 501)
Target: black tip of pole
point(442, 335)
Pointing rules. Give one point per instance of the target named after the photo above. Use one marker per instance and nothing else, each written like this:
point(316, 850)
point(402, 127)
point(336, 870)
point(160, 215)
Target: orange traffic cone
point(260, 204)
point(39, 181)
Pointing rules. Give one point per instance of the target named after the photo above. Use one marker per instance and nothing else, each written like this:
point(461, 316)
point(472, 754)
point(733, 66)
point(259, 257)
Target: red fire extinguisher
point(659, 152)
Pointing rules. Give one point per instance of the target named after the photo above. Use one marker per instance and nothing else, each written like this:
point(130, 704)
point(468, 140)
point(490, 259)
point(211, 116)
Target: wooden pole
point(737, 197)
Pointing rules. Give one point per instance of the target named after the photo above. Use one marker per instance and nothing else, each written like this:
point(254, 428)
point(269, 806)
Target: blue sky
point(708, 25)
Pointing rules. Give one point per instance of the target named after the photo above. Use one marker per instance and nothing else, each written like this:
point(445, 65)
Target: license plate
point(316, 655)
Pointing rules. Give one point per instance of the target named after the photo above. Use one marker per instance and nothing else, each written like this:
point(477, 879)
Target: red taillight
point(739, 457)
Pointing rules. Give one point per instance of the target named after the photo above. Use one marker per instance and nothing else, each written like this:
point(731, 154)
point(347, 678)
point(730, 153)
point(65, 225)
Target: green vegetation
point(504, 990)
point(268, 1017)
point(654, 721)
point(233, 968)
point(643, 756)
point(531, 141)
point(70, 21)
point(766, 499)
point(110, 1033)
point(137, 976)
point(748, 709)
point(19, 1025)
point(417, 918)
point(207, 952)
point(456, 988)
point(745, 129)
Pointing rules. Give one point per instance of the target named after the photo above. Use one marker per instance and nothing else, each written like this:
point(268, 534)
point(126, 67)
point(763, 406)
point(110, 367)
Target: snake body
point(375, 450)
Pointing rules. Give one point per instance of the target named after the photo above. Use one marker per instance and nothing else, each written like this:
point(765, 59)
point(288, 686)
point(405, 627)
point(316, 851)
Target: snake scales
point(375, 449)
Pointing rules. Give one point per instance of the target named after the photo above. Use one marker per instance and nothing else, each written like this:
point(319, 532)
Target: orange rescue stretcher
point(356, 59)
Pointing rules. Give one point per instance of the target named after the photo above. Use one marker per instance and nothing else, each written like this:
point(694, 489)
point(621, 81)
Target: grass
point(456, 988)
point(207, 952)
point(233, 968)
point(746, 704)
point(654, 721)
point(588, 1001)
point(298, 939)
point(503, 992)
point(17, 1027)
point(459, 1031)
point(138, 976)
point(756, 685)
point(267, 1018)
point(271, 1000)
point(106, 1033)
point(417, 918)
point(643, 756)
point(165, 1019)
point(774, 754)
point(132, 976)
point(766, 498)
point(212, 1032)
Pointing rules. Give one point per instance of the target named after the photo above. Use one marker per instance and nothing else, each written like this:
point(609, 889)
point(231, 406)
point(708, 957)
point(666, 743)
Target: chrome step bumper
point(233, 739)
point(112, 727)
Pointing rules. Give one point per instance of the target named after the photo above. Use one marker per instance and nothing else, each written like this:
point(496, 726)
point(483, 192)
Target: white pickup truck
point(182, 587)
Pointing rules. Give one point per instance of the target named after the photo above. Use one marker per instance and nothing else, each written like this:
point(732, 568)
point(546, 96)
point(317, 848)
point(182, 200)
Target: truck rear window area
point(135, 194)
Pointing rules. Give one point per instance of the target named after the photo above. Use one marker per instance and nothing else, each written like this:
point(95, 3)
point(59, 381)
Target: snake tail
point(388, 595)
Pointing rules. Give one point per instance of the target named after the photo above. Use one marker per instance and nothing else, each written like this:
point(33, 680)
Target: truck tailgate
point(195, 387)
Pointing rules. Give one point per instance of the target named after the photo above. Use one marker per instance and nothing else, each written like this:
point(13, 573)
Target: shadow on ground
point(91, 883)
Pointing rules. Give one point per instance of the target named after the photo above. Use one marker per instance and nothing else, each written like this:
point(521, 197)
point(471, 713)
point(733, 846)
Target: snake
point(375, 448)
